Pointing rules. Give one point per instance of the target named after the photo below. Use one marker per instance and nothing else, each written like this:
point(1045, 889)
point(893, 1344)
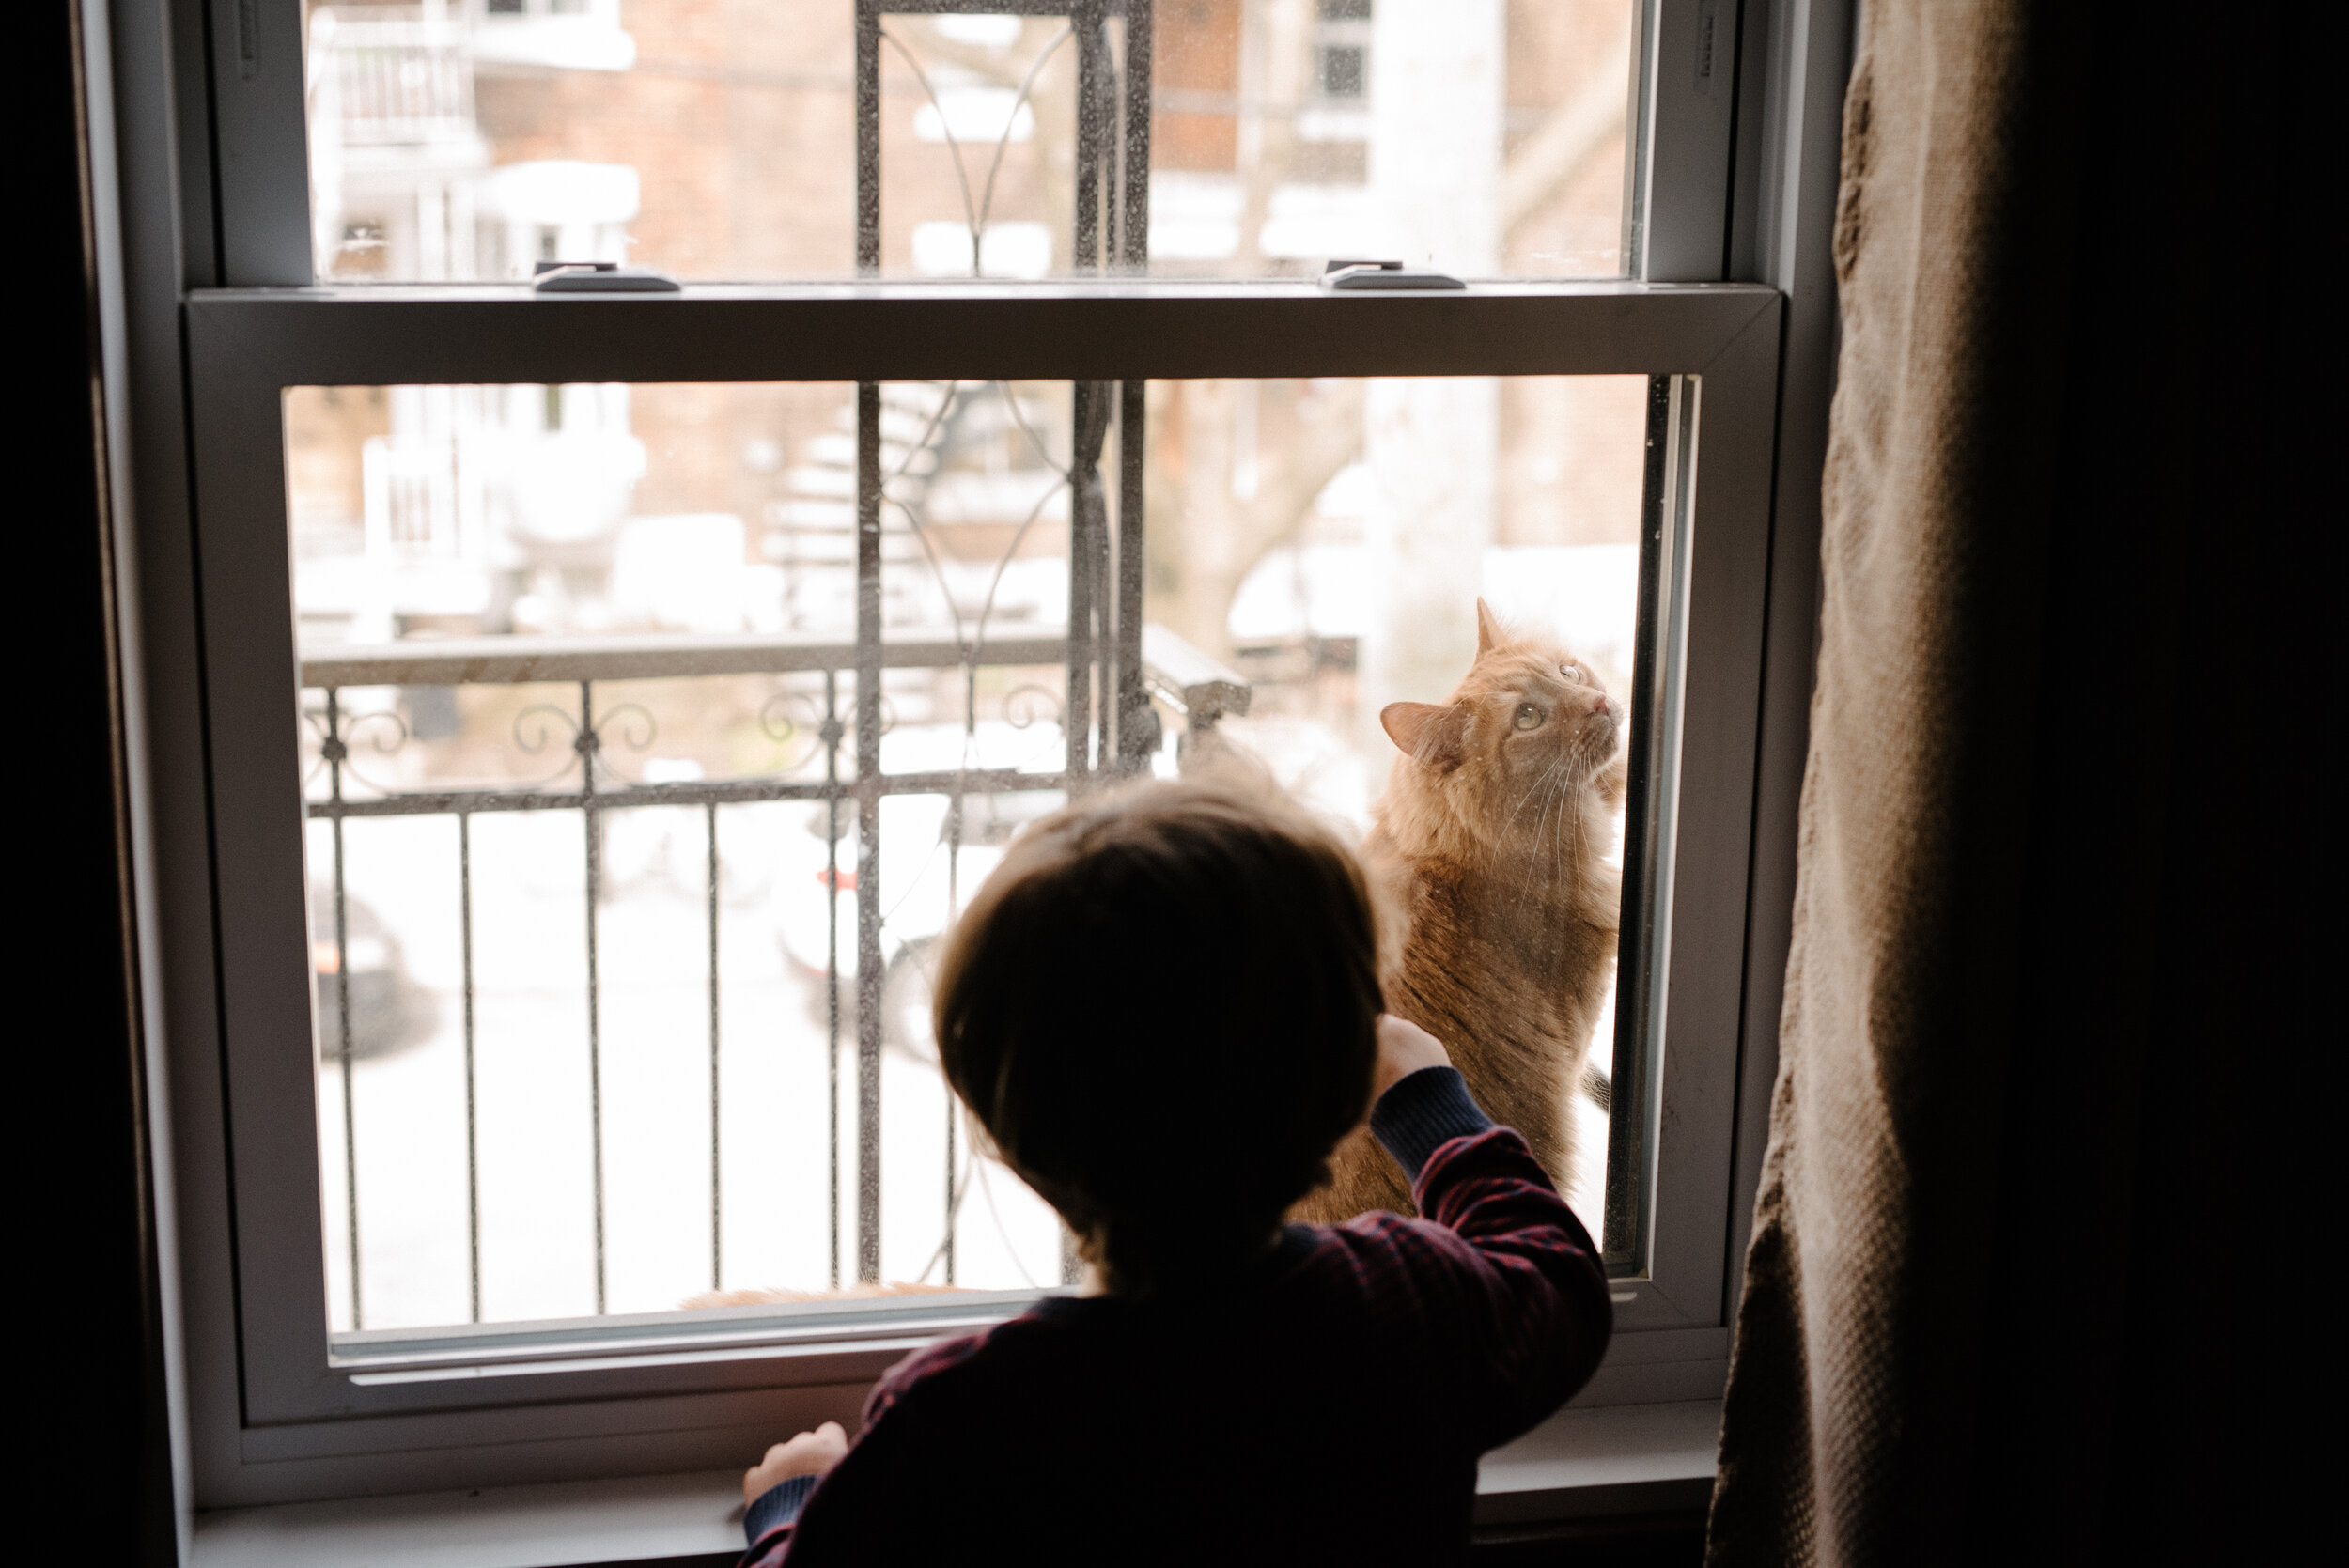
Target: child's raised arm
point(1528, 1297)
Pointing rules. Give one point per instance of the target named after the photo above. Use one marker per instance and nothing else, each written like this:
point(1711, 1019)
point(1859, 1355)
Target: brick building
point(714, 140)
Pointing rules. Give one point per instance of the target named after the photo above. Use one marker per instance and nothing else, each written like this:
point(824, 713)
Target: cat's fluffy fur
point(1490, 845)
point(766, 1295)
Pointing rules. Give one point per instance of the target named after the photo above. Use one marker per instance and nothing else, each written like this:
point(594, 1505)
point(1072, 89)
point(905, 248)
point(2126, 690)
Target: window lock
point(1383, 274)
point(598, 277)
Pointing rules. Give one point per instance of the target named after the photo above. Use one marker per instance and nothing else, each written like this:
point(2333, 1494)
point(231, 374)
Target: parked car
point(923, 875)
point(389, 1011)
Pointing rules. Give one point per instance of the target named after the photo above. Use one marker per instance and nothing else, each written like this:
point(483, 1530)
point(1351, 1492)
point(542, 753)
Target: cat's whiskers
point(1533, 850)
point(1568, 799)
point(1559, 789)
point(1581, 844)
point(1502, 838)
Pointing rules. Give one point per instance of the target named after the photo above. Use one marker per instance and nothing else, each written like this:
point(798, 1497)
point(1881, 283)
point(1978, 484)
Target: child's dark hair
point(1163, 1006)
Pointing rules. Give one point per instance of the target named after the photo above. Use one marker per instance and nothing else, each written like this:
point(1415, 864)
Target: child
point(1164, 1009)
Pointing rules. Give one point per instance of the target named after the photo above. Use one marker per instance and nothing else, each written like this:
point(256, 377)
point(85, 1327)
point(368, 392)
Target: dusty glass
point(473, 139)
point(579, 710)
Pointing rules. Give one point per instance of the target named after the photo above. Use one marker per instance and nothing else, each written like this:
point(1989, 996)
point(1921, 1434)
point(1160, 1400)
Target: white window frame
point(1724, 181)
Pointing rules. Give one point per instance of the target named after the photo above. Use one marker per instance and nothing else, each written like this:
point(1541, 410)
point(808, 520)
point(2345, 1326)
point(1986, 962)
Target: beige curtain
point(1869, 1014)
point(2016, 1127)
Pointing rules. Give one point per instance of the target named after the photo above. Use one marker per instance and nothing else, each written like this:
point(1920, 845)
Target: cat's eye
point(1528, 717)
point(1574, 677)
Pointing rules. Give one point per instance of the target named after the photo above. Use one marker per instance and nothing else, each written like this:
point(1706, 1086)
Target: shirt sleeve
point(1421, 1111)
point(858, 1512)
point(768, 1522)
point(1517, 1289)
point(1540, 1299)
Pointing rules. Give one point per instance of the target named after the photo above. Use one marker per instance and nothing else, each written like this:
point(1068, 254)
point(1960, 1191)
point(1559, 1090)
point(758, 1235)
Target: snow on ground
point(532, 1091)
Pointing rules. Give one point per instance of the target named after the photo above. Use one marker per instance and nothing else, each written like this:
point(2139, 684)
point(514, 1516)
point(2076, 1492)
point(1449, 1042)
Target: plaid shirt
point(1331, 1406)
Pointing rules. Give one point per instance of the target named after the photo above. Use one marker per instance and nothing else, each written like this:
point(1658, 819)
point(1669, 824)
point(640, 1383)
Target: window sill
point(1582, 1464)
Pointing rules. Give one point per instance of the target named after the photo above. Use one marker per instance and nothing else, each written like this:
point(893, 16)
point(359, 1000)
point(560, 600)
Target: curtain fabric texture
point(2037, 930)
point(1882, 1047)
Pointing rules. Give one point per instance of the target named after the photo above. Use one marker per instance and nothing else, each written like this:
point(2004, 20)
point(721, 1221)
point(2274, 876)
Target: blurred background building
point(1327, 540)
point(469, 140)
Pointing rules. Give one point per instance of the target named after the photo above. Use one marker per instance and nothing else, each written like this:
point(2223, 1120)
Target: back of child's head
point(1163, 1006)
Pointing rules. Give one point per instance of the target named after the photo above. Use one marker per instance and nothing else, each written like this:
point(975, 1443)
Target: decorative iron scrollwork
point(1027, 705)
point(634, 726)
point(339, 735)
point(794, 719)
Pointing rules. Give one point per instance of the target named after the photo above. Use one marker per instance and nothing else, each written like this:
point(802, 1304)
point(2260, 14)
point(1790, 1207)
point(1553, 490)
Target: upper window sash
point(1684, 143)
point(1683, 123)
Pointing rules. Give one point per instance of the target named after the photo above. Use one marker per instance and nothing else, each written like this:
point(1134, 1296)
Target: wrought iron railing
point(1111, 228)
point(397, 83)
point(1195, 686)
point(398, 80)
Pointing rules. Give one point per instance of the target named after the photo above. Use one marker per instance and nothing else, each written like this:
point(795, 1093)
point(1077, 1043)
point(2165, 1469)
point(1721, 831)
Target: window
point(613, 698)
point(529, 882)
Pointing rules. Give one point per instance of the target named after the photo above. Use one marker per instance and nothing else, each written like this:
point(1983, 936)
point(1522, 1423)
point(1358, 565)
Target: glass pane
point(1334, 537)
point(579, 708)
point(474, 139)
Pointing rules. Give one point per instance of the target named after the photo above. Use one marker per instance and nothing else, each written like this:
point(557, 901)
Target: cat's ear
point(1488, 632)
point(1428, 733)
point(1404, 721)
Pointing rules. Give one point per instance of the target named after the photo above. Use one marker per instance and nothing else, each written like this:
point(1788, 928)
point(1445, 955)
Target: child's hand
point(809, 1453)
point(1404, 1048)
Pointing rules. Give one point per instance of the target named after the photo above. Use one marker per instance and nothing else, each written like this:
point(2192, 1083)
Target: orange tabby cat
point(1490, 844)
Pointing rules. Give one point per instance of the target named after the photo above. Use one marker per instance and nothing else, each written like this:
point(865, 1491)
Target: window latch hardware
point(600, 277)
point(1383, 274)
